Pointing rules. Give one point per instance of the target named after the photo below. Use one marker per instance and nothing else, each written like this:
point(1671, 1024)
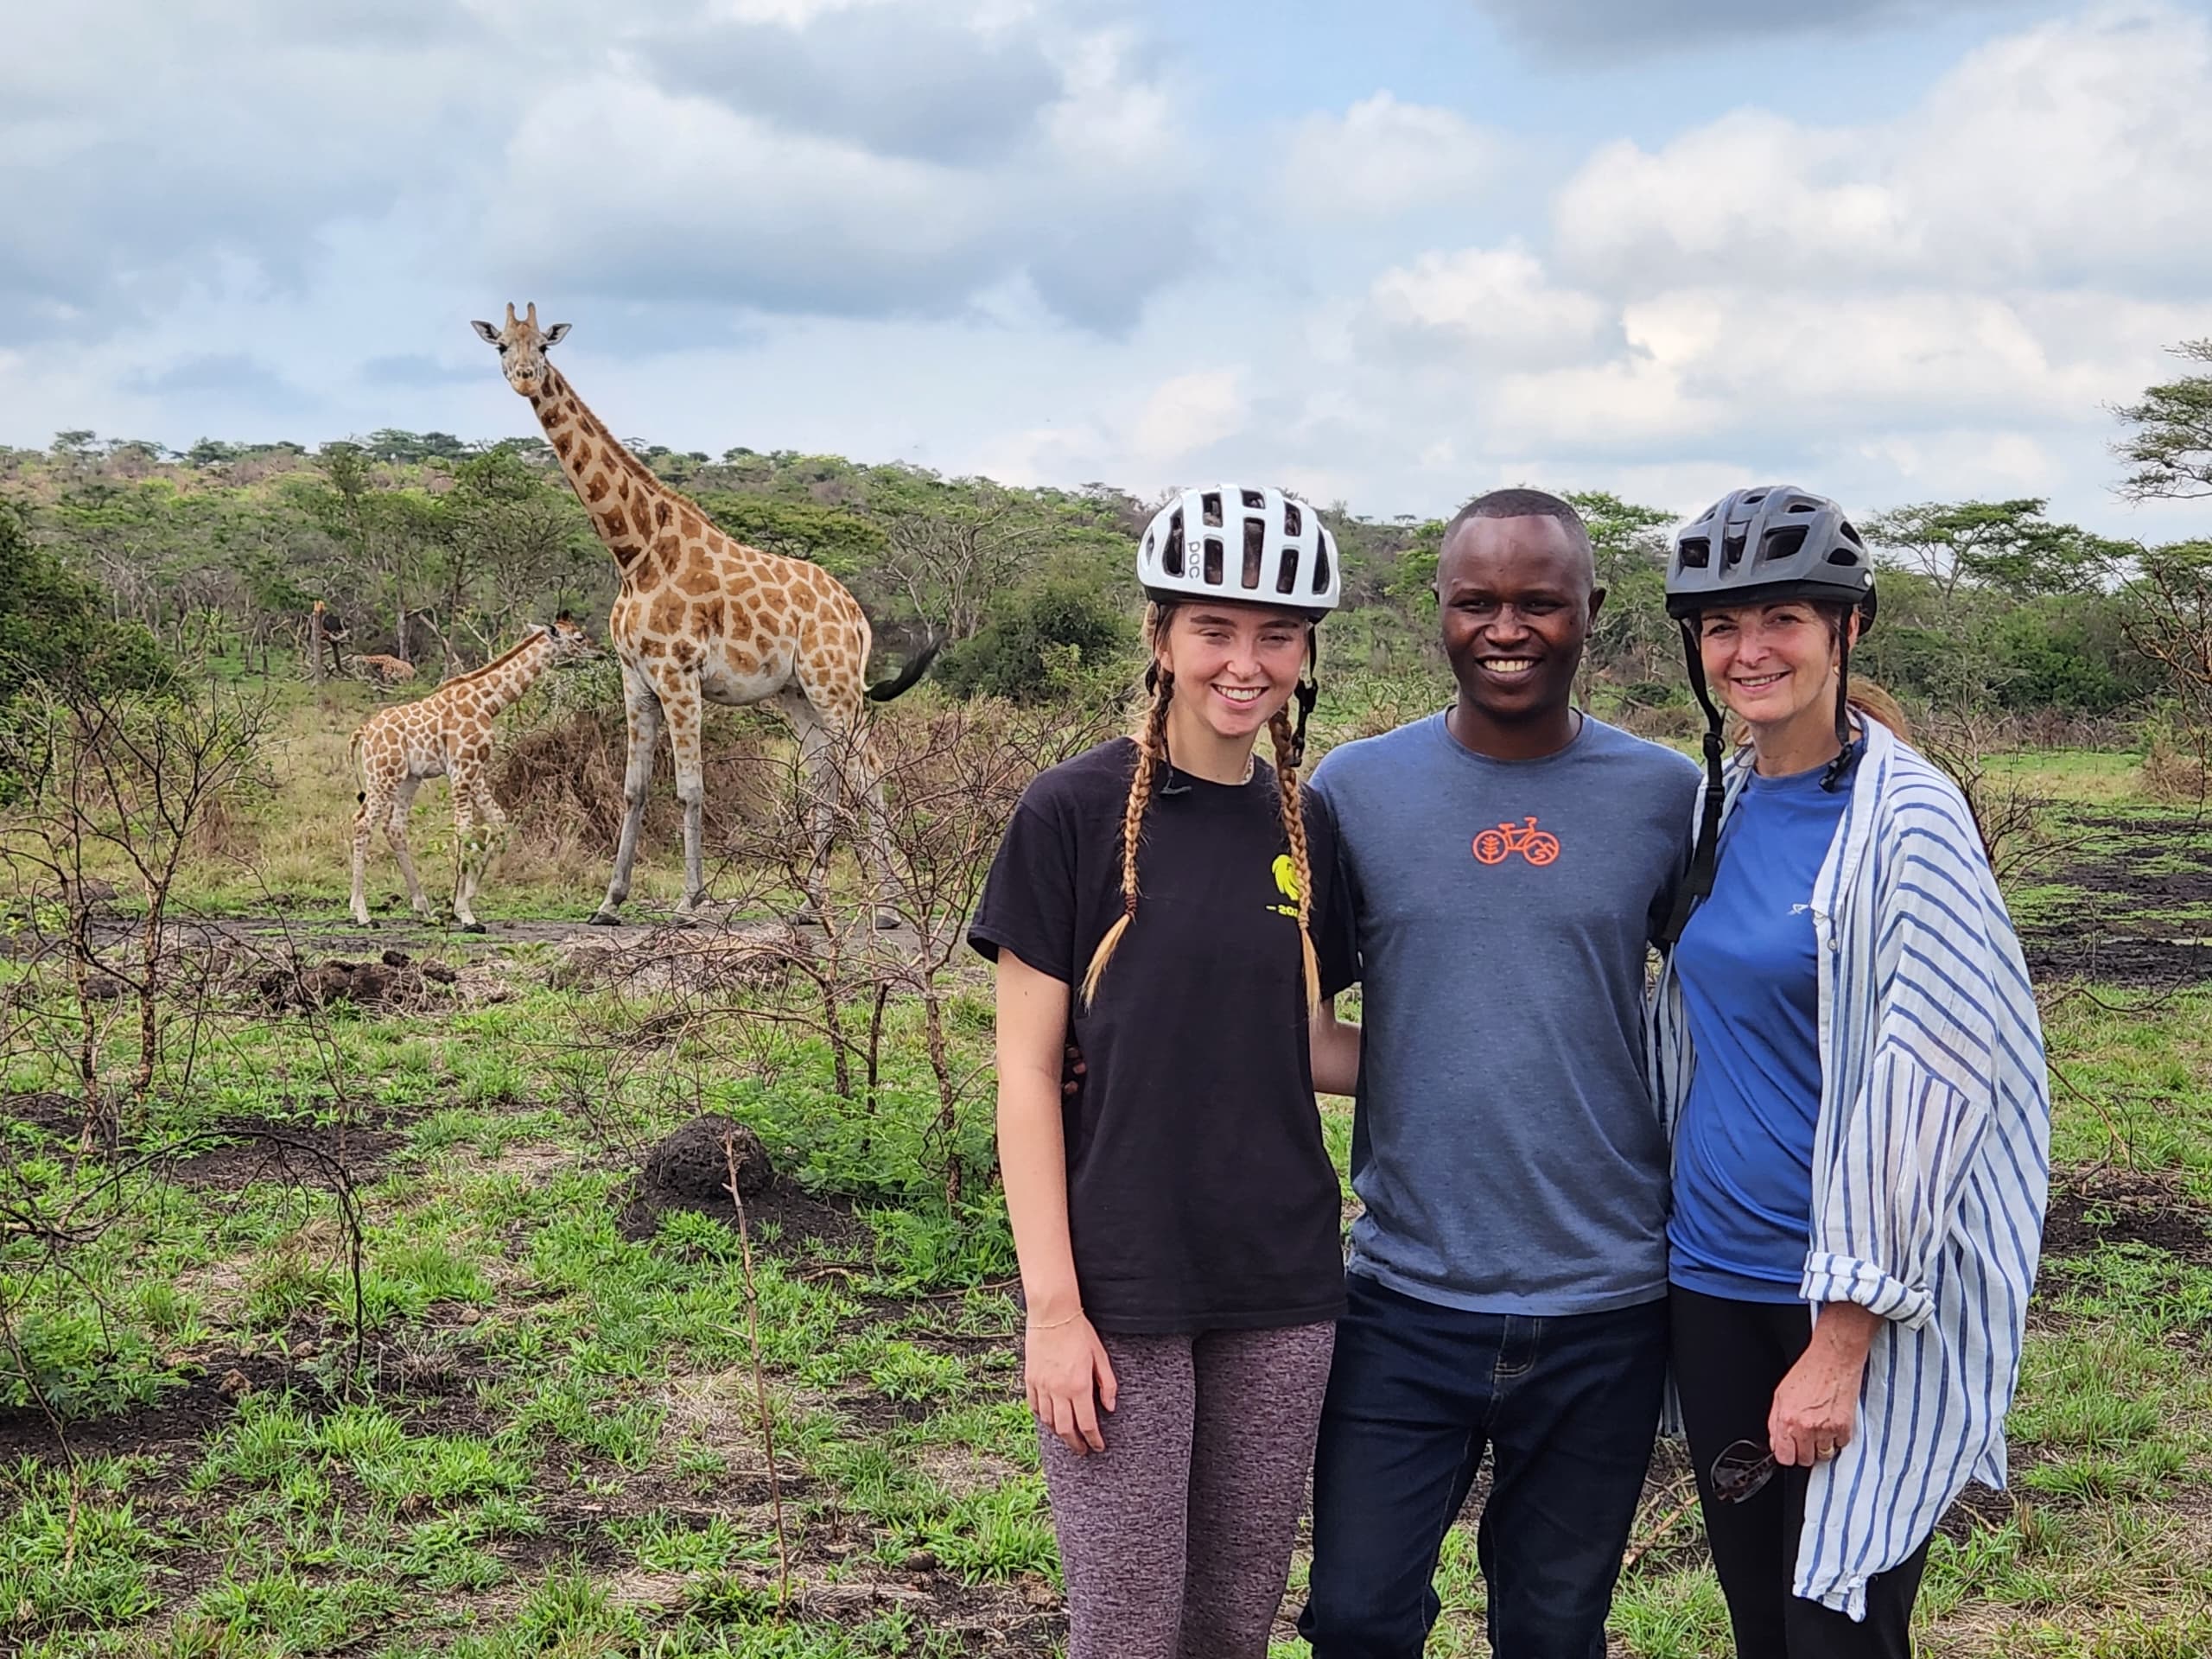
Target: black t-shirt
point(1200, 1196)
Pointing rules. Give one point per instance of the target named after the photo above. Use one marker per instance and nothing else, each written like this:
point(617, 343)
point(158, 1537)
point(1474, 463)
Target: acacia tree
point(2008, 545)
point(2171, 445)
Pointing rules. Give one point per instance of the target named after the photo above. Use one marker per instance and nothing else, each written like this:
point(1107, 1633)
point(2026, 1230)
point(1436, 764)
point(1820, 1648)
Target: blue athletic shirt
point(1743, 1194)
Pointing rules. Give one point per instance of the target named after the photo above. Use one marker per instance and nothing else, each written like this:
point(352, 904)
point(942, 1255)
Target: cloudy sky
point(1390, 252)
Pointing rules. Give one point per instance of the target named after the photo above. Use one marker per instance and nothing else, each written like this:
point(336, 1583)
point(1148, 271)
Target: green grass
point(553, 1443)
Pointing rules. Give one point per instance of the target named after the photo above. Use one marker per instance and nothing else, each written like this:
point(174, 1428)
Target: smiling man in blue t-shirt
point(1508, 863)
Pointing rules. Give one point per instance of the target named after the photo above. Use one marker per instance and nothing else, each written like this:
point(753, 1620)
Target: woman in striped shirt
point(1848, 1051)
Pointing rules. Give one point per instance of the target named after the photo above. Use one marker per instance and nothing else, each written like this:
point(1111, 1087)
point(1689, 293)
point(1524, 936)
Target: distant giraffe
point(449, 733)
point(702, 618)
point(385, 671)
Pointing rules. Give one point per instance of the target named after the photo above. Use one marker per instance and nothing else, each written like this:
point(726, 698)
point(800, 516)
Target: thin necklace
point(1251, 765)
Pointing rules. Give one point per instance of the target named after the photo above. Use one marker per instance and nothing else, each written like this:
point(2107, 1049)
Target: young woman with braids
point(1161, 901)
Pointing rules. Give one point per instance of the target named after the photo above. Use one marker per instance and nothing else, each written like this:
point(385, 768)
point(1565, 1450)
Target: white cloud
point(1497, 304)
point(680, 194)
point(1381, 158)
point(2077, 146)
point(1188, 415)
point(986, 250)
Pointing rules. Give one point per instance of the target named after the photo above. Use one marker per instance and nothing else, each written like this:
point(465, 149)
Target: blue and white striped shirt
point(1930, 1159)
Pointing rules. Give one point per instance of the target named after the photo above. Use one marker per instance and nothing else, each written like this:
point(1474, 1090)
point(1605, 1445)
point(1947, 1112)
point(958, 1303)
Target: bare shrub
point(2178, 759)
point(954, 778)
point(2017, 826)
point(129, 783)
point(561, 783)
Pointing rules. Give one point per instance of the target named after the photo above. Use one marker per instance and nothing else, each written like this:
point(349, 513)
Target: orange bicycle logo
point(1496, 846)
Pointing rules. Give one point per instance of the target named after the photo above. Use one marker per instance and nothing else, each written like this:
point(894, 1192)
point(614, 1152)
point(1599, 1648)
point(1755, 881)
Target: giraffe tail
point(908, 677)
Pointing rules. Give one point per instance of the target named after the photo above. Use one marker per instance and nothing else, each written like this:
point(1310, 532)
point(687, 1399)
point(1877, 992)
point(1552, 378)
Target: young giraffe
point(386, 670)
point(702, 618)
point(449, 733)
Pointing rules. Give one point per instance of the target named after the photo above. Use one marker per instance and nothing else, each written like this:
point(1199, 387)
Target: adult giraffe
point(700, 618)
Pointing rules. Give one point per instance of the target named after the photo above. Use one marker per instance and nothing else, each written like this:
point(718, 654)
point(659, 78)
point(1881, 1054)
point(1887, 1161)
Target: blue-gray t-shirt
point(1505, 1142)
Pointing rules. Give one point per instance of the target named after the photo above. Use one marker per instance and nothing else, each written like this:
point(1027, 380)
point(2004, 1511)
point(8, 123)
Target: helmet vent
point(1844, 556)
point(1256, 543)
point(1212, 500)
point(1732, 552)
point(1171, 555)
point(1286, 576)
point(1696, 552)
point(1254, 500)
point(1294, 521)
point(1321, 566)
point(1213, 558)
point(1783, 543)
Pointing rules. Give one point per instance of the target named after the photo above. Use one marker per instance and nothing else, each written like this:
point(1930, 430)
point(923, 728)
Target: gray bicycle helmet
point(1761, 546)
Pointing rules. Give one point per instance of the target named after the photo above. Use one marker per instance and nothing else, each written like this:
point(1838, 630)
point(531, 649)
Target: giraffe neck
point(616, 488)
point(504, 678)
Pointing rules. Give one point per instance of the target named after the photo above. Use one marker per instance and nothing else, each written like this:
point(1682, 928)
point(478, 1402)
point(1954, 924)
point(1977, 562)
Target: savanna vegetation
point(645, 1290)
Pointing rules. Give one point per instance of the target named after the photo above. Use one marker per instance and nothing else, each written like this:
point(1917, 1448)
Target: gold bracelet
point(1057, 1323)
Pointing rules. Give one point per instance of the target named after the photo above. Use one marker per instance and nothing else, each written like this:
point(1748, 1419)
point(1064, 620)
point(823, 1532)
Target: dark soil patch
point(56, 1115)
point(291, 1154)
point(394, 982)
point(1977, 1508)
point(176, 1425)
point(2122, 932)
point(825, 1227)
point(877, 1414)
point(2089, 1208)
point(2179, 845)
point(2079, 949)
point(690, 1170)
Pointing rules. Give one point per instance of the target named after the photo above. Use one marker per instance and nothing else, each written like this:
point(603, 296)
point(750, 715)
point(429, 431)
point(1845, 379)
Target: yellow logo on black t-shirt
point(1286, 883)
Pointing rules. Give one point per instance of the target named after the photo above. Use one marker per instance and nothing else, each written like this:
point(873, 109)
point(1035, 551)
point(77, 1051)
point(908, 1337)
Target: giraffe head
point(571, 645)
point(522, 347)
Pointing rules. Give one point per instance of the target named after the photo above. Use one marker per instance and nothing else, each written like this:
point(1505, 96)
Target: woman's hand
point(1068, 1378)
point(1816, 1407)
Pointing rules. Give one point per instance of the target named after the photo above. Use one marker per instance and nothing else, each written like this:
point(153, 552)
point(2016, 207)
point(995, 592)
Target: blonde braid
point(1294, 830)
point(1151, 749)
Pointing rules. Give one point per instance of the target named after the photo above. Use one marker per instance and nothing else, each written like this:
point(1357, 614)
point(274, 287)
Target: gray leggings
point(1176, 1539)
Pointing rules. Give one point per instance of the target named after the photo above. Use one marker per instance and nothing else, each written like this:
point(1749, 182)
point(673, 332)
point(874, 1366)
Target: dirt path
point(270, 931)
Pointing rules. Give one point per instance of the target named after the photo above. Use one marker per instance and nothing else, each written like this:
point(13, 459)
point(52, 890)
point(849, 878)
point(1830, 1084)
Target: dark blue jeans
point(1567, 1406)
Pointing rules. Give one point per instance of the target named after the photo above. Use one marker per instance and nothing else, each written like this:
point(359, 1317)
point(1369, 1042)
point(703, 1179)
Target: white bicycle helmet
point(1232, 541)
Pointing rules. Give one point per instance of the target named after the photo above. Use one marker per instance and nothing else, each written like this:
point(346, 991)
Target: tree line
point(436, 550)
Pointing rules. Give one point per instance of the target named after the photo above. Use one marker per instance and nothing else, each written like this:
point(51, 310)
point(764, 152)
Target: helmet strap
point(1842, 764)
point(1697, 880)
point(1308, 688)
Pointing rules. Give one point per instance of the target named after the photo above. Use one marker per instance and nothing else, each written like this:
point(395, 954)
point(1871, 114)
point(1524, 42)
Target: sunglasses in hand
point(1742, 1471)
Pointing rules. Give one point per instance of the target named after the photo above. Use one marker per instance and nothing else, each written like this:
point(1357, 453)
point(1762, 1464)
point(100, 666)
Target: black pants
point(1729, 1357)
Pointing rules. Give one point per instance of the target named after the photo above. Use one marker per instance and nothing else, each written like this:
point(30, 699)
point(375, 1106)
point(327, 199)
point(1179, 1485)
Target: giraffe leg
point(814, 746)
point(395, 832)
point(373, 807)
point(875, 850)
point(477, 821)
point(685, 712)
point(641, 711)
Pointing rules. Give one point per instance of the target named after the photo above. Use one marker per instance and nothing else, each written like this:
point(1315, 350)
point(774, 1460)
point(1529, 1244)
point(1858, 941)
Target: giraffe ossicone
point(448, 734)
point(702, 618)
